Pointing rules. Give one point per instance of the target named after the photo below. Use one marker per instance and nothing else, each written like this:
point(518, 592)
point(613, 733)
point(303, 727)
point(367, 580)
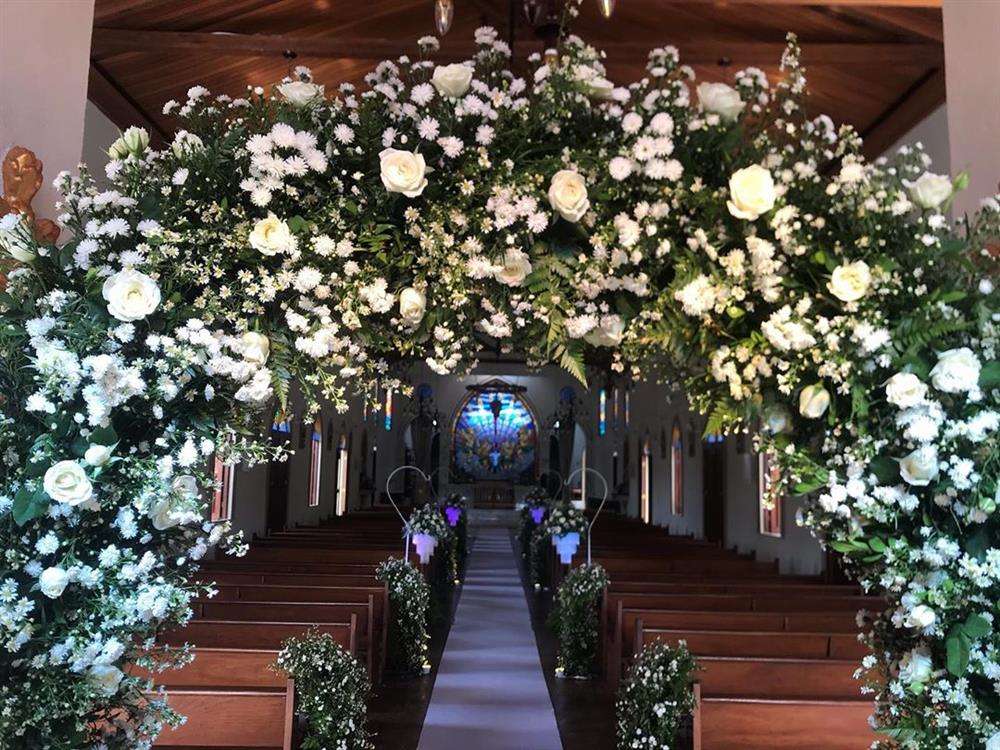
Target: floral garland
point(331, 690)
point(656, 696)
point(576, 621)
point(409, 603)
point(714, 234)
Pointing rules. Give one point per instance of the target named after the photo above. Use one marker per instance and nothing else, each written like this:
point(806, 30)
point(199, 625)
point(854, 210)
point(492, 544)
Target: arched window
point(342, 464)
point(677, 469)
point(602, 412)
point(222, 499)
point(769, 502)
point(494, 437)
point(315, 462)
point(646, 483)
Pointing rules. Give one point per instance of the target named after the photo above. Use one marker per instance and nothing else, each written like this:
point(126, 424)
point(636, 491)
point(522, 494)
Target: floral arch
point(712, 235)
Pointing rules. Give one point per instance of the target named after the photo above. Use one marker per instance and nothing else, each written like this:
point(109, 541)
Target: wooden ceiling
point(877, 64)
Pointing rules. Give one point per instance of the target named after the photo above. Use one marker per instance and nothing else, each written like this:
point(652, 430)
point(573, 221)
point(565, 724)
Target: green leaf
point(104, 436)
point(885, 469)
point(989, 376)
point(957, 646)
point(29, 505)
point(976, 626)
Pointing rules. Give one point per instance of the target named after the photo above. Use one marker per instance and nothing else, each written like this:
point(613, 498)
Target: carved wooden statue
point(22, 178)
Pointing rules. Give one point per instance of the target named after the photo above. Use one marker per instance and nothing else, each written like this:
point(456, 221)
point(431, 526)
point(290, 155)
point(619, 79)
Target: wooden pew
point(257, 718)
point(258, 635)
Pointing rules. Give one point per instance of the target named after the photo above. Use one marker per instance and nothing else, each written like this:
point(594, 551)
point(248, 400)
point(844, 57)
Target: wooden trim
point(118, 106)
point(113, 41)
point(696, 729)
point(920, 100)
point(289, 729)
point(894, 20)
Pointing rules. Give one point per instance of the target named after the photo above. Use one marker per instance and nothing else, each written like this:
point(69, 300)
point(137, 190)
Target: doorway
point(714, 488)
point(277, 477)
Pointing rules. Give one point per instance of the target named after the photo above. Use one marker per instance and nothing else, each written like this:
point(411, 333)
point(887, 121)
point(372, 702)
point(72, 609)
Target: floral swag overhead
point(709, 234)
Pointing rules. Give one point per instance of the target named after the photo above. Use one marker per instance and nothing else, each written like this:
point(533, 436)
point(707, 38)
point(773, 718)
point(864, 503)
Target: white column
point(972, 78)
point(44, 63)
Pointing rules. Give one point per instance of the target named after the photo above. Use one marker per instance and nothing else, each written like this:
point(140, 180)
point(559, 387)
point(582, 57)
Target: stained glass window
point(494, 438)
point(388, 410)
point(315, 462)
point(602, 420)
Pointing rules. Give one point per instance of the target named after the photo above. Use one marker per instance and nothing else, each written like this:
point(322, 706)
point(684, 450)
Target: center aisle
point(490, 692)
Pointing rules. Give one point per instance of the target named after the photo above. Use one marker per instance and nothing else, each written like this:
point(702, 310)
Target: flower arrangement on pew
point(427, 529)
point(656, 698)
point(531, 512)
point(455, 508)
point(331, 690)
point(576, 620)
point(565, 526)
point(713, 232)
point(409, 602)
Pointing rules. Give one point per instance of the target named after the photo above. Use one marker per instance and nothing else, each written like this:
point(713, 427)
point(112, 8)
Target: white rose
point(516, 267)
point(904, 390)
point(403, 172)
point(300, 93)
point(134, 140)
point(255, 348)
point(412, 305)
point(916, 667)
point(751, 192)
point(52, 582)
point(186, 143)
point(921, 617)
point(97, 455)
point(568, 194)
point(814, 401)
point(271, 236)
point(930, 190)
point(608, 333)
point(720, 99)
point(849, 282)
point(920, 467)
point(163, 513)
point(67, 482)
point(956, 371)
point(131, 295)
point(105, 678)
point(593, 83)
point(15, 237)
point(452, 80)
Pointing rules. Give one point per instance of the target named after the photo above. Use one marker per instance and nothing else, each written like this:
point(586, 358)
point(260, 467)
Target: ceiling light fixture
point(444, 13)
point(607, 7)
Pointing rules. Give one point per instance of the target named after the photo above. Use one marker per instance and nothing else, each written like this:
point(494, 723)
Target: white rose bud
point(930, 190)
point(186, 143)
point(850, 281)
point(186, 486)
point(67, 482)
point(720, 99)
point(97, 455)
point(609, 332)
point(300, 93)
point(412, 305)
point(921, 617)
point(52, 582)
point(516, 267)
point(751, 192)
point(904, 389)
point(568, 194)
point(452, 80)
point(133, 141)
point(15, 237)
point(814, 400)
point(131, 295)
point(956, 371)
point(271, 236)
point(778, 419)
point(920, 467)
point(255, 348)
point(105, 678)
point(916, 667)
point(403, 172)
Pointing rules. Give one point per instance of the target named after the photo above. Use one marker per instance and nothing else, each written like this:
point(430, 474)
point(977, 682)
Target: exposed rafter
point(112, 41)
point(117, 105)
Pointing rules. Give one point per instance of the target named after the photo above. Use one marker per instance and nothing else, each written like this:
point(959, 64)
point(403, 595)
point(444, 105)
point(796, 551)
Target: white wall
point(932, 134)
point(98, 133)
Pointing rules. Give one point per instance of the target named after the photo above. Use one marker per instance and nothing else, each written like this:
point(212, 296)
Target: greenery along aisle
point(707, 232)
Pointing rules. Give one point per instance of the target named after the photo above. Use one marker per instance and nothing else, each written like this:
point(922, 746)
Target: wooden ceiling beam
point(857, 3)
point(896, 20)
point(117, 105)
point(108, 42)
point(920, 100)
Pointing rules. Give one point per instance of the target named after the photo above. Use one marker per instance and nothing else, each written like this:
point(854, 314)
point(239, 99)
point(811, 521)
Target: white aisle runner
point(490, 693)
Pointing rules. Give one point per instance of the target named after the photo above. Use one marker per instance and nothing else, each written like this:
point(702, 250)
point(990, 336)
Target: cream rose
point(52, 582)
point(751, 192)
point(930, 190)
point(164, 513)
point(516, 267)
point(921, 617)
point(904, 390)
point(271, 236)
point(300, 93)
point(920, 467)
point(255, 348)
point(814, 401)
point(97, 455)
point(993, 743)
point(916, 667)
point(956, 371)
point(568, 194)
point(850, 282)
point(720, 99)
point(608, 332)
point(186, 143)
point(412, 305)
point(403, 172)
point(105, 678)
point(15, 238)
point(67, 482)
point(133, 141)
point(131, 295)
point(452, 80)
